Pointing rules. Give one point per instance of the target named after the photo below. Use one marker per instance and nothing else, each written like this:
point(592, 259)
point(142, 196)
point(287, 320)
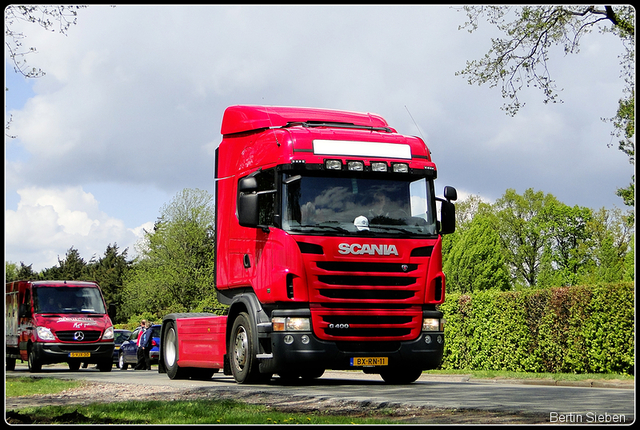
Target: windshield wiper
point(318, 226)
point(391, 228)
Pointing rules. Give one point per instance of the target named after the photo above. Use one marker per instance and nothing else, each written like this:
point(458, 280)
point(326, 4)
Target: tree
point(476, 261)
point(70, 269)
point(175, 268)
point(520, 58)
point(521, 225)
point(109, 272)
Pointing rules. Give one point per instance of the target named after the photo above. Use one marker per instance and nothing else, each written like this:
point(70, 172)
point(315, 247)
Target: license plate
point(369, 361)
point(79, 354)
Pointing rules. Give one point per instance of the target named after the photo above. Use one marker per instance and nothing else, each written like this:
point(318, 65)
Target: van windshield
point(361, 206)
point(68, 300)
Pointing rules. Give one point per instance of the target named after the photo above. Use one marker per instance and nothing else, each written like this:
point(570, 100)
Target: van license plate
point(79, 354)
point(369, 361)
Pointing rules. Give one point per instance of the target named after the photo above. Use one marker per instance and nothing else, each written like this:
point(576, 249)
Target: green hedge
point(569, 329)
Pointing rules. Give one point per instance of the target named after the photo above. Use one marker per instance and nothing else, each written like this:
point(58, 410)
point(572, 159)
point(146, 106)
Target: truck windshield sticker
point(351, 148)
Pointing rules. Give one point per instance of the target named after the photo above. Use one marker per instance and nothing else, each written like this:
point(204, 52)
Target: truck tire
point(35, 365)
point(400, 376)
point(242, 353)
point(170, 356)
point(121, 363)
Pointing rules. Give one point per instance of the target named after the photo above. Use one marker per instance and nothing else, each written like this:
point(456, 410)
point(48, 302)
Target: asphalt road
point(561, 403)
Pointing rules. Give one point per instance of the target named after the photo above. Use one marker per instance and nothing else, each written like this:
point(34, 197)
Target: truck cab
point(58, 321)
point(328, 239)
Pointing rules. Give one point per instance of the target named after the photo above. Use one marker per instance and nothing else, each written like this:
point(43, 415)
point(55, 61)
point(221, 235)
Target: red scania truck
point(56, 322)
point(328, 251)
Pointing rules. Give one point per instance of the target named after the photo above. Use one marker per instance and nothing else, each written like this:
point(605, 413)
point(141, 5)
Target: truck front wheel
point(242, 352)
point(170, 356)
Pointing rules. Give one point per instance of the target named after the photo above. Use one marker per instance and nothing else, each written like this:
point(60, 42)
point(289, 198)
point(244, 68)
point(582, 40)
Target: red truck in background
point(328, 252)
point(56, 322)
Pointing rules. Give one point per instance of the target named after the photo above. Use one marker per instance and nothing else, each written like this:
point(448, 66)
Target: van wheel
point(170, 353)
point(242, 353)
point(105, 365)
point(121, 363)
point(34, 364)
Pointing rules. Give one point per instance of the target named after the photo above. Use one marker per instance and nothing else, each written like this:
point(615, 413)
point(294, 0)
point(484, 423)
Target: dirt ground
point(91, 392)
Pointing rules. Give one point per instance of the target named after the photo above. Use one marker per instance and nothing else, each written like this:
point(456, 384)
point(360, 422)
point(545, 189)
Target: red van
point(56, 322)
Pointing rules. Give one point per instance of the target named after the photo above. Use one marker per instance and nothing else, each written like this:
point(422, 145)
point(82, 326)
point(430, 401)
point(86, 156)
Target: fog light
point(439, 339)
point(427, 339)
point(288, 339)
point(305, 339)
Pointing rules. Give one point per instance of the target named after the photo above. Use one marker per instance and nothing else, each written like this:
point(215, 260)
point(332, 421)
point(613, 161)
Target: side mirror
point(24, 311)
point(448, 217)
point(450, 193)
point(248, 209)
point(448, 211)
point(248, 202)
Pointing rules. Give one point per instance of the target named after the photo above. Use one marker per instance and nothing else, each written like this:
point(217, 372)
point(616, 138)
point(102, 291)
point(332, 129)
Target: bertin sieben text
point(587, 418)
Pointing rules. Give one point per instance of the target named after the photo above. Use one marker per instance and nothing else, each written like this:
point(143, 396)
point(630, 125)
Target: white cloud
point(49, 221)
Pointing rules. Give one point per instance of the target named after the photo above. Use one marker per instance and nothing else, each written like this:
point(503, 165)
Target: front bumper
point(423, 353)
point(48, 353)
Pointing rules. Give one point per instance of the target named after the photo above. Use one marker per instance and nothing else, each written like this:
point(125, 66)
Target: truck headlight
point(432, 324)
point(108, 333)
point(291, 324)
point(44, 333)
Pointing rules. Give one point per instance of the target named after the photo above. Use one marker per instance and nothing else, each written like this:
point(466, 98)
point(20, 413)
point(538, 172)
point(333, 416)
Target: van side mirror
point(24, 311)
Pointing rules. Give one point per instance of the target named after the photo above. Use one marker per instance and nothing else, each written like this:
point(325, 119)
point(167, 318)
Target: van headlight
point(291, 324)
point(45, 333)
point(108, 333)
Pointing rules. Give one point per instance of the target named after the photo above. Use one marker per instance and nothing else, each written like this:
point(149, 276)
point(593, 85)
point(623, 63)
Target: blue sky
point(129, 111)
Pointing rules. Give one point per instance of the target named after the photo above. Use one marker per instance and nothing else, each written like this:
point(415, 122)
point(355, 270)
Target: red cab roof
point(239, 118)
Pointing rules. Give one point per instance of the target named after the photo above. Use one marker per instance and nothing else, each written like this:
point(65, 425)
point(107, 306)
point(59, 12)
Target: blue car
point(119, 336)
point(128, 354)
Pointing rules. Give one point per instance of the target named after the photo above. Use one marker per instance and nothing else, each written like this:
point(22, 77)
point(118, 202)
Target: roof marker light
point(333, 164)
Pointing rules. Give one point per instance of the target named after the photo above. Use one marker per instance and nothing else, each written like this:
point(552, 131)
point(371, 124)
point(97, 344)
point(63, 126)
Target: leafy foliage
point(584, 329)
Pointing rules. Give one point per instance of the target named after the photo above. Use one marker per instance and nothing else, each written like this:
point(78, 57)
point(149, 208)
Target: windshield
point(68, 300)
point(358, 206)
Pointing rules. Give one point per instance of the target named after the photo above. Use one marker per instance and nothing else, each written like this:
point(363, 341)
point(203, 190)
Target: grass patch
point(176, 412)
point(28, 386)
